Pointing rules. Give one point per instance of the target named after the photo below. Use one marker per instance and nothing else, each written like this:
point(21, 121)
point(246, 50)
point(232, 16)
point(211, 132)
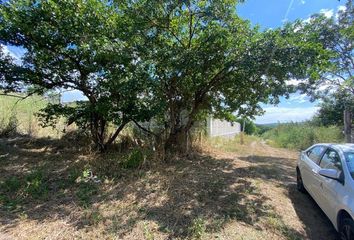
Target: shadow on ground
point(182, 197)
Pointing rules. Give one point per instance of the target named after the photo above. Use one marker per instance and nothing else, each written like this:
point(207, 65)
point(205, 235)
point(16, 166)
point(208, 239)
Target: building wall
point(216, 127)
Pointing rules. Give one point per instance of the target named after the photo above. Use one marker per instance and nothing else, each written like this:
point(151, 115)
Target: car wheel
point(346, 230)
point(299, 183)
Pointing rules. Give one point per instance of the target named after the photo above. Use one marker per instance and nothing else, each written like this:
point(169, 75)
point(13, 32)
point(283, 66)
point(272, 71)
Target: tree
point(207, 60)
point(331, 110)
point(336, 34)
point(83, 45)
point(247, 126)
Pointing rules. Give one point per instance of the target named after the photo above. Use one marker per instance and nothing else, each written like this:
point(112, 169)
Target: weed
point(302, 135)
point(9, 129)
point(197, 229)
point(12, 184)
point(147, 233)
point(85, 192)
point(8, 203)
point(275, 222)
point(37, 186)
point(134, 160)
point(92, 217)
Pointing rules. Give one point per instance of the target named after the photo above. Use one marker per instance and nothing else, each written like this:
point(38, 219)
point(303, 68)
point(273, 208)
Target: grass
point(21, 115)
point(300, 136)
point(225, 191)
point(235, 144)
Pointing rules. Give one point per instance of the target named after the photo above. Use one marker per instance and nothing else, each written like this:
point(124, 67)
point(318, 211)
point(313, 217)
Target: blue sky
point(272, 14)
point(267, 14)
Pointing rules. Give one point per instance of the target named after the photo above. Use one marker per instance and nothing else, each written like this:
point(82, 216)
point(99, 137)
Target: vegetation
point(67, 190)
point(300, 136)
point(82, 45)
point(136, 60)
point(336, 78)
point(18, 115)
point(332, 109)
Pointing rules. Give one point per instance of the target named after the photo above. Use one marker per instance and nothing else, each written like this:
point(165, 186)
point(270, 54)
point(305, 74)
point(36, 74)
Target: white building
point(217, 127)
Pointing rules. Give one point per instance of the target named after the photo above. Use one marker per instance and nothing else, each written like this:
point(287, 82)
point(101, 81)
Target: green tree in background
point(331, 110)
point(336, 78)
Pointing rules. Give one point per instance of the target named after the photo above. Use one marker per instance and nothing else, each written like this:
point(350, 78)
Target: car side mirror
point(331, 173)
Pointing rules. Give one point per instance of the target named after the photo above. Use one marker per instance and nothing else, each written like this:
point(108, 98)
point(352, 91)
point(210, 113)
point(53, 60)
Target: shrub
point(302, 135)
point(134, 160)
point(86, 190)
point(10, 128)
point(37, 186)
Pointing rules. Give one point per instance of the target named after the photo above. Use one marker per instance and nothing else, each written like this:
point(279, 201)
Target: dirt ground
point(246, 193)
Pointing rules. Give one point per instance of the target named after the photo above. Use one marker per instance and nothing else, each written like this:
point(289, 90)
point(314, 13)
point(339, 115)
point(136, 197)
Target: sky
point(266, 14)
point(272, 14)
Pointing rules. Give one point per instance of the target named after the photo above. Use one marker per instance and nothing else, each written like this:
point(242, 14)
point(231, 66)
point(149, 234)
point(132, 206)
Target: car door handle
point(314, 171)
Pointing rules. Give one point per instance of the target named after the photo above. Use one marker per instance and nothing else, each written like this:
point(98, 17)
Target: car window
point(315, 153)
point(331, 160)
point(349, 159)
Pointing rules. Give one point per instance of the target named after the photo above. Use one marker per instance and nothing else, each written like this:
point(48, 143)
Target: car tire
point(346, 231)
point(299, 182)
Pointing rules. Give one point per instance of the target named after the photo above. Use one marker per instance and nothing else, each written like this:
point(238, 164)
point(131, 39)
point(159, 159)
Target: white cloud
point(284, 114)
point(327, 12)
point(301, 98)
point(73, 95)
point(294, 82)
point(342, 8)
point(302, 2)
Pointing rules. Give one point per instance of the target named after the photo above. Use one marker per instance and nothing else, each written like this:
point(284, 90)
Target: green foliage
point(81, 45)
point(302, 135)
point(331, 110)
point(205, 59)
point(262, 128)
point(134, 60)
point(85, 191)
point(14, 190)
point(336, 36)
point(36, 184)
point(134, 159)
point(12, 184)
point(197, 228)
point(9, 129)
point(249, 125)
point(17, 115)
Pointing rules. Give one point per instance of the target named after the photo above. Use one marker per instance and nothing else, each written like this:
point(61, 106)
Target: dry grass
point(228, 191)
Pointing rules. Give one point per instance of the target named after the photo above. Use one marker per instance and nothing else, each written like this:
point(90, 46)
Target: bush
point(10, 128)
point(302, 135)
point(134, 160)
point(37, 186)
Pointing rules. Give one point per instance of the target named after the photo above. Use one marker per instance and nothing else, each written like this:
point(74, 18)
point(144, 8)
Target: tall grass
point(22, 113)
point(302, 135)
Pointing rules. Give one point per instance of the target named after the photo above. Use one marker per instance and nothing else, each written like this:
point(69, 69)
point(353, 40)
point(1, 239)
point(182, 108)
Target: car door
point(310, 168)
point(329, 188)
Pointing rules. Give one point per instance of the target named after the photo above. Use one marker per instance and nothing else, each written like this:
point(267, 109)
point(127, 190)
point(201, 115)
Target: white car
point(326, 172)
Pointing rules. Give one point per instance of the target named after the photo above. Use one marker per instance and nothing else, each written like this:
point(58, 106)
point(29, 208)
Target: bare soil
point(247, 193)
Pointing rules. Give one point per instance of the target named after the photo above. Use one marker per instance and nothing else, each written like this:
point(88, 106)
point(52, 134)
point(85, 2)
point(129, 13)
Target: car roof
point(345, 147)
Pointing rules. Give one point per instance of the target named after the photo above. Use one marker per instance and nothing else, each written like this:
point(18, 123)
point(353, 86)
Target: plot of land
point(49, 190)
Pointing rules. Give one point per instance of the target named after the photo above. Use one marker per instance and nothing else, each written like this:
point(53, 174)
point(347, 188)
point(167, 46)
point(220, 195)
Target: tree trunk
point(348, 125)
point(177, 141)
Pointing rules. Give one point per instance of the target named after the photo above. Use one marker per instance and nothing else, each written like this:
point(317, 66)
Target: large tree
point(84, 45)
point(207, 60)
point(336, 78)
